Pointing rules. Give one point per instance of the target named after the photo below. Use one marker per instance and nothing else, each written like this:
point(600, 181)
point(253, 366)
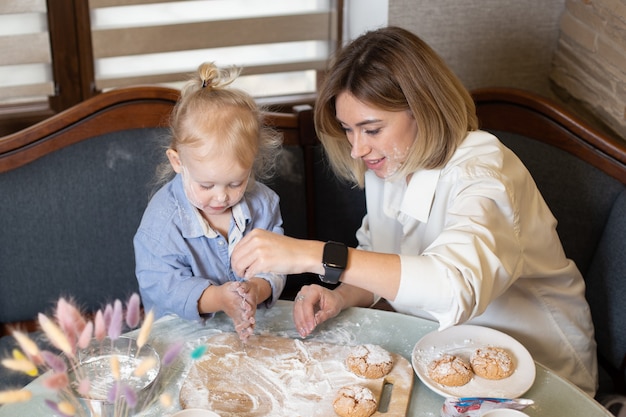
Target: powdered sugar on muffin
point(369, 361)
point(355, 401)
point(450, 370)
point(492, 362)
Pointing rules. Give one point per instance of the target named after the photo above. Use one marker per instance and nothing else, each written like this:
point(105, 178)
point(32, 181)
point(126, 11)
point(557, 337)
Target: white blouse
point(478, 245)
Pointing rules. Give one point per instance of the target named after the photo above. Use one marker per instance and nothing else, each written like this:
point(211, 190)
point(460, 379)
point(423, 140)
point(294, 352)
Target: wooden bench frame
point(528, 114)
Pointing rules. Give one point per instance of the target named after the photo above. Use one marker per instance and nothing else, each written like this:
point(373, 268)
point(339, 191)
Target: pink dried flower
point(56, 381)
point(70, 320)
point(133, 313)
point(85, 337)
point(54, 361)
point(108, 312)
point(99, 326)
point(171, 353)
point(71, 331)
point(115, 326)
point(129, 395)
point(84, 386)
point(114, 392)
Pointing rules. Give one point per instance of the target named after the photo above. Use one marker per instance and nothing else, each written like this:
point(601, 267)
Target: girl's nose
point(222, 196)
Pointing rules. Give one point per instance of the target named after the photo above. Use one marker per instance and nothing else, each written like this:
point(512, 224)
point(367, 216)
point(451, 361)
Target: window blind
point(279, 44)
point(25, 61)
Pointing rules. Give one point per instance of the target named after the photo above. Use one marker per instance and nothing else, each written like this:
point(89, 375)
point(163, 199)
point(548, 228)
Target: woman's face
point(381, 139)
point(213, 183)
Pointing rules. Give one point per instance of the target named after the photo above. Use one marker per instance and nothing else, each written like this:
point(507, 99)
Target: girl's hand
point(236, 306)
point(249, 299)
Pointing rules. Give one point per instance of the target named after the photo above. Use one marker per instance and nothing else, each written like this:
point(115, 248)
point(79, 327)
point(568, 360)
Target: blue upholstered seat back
point(67, 222)
point(590, 207)
point(579, 194)
point(68, 219)
point(606, 288)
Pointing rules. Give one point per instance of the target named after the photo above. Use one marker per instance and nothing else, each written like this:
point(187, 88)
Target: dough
point(354, 401)
point(492, 362)
point(369, 361)
point(450, 370)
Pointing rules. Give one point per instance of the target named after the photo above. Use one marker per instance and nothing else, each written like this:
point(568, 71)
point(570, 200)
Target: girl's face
point(213, 182)
point(381, 139)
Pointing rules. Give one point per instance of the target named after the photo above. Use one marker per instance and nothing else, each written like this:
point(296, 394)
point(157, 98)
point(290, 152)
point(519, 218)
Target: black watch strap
point(334, 260)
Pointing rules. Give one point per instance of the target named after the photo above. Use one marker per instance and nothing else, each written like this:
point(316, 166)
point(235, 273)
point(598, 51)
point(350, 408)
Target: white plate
point(462, 341)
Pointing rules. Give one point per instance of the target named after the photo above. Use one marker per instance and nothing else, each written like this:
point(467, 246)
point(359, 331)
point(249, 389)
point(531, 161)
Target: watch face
point(335, 255)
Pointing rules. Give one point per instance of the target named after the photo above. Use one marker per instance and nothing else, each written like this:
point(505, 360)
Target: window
point(60, 52)
point(25, 61)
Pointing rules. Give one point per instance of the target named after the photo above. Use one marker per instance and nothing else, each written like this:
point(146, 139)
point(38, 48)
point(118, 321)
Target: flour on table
point(274, 376)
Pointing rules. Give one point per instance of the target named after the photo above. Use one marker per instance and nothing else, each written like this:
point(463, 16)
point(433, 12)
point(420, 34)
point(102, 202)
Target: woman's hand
point(261, 251)
point(314, 305)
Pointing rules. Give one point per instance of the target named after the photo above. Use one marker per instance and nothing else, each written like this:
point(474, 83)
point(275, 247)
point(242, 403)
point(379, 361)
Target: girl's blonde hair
point(210, 110)
point(394, 70)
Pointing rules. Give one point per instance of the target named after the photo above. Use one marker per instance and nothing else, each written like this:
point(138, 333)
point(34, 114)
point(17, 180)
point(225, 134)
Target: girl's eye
point(206, 187)
point(236, 185)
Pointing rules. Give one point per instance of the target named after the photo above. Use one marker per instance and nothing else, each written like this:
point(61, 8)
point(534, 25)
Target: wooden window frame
point(69, 26)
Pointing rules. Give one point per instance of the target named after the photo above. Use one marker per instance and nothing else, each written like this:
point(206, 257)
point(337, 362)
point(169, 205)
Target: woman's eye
point(372, 132)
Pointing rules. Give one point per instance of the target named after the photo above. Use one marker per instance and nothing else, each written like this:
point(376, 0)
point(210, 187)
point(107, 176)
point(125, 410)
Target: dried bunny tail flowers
point(117, 318)
point(28, 346)
point(69, 318)
point(20, 363)
point(15, 396)
point(64, 408)
point(69, 331)
point(100, 330)
point(56, 335)
point(85, 336)
point(146, 327)
point(133, 311)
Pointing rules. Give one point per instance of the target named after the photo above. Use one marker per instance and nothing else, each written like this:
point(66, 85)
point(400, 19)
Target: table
point(395, 332)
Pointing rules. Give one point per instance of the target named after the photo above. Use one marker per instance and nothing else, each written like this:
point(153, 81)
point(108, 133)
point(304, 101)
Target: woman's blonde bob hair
point(394, 70)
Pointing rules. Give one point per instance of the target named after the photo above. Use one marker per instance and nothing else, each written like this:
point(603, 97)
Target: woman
point(455, 229)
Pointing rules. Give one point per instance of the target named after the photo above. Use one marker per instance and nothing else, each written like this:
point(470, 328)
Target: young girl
point(183, 245)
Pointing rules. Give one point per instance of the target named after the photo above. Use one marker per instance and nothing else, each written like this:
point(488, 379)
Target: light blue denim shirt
point(177, 257)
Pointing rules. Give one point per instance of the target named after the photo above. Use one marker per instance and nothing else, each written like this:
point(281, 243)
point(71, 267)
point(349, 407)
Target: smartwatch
point(334, 260)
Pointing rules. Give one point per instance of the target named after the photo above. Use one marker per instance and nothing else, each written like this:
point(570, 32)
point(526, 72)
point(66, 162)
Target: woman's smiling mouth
point(374, 164)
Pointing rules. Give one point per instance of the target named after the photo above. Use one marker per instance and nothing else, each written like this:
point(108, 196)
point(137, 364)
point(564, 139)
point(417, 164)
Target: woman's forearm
point(378, 273)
